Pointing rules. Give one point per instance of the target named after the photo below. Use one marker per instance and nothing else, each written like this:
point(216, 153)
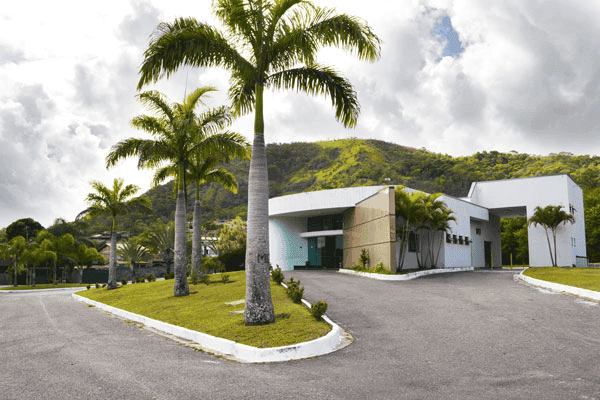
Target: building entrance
point(325, 251)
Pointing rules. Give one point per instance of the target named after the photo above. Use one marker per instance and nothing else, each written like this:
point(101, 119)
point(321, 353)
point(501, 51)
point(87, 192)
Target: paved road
point(454, 336)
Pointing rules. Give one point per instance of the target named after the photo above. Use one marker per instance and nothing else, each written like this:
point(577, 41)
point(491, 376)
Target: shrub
point(150, 278)
point(123, 281)
point(195, 279)
point(363, 259)
point(170, 275)
point(140, 279)
point(97, 285)
point(204, 278)
point(104, 285)
point(88, 287)
point(317, 310)
point(277, 275)
point(224, 277)
point(294, 290)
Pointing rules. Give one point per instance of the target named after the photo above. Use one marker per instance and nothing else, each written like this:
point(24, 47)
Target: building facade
point(330, 228)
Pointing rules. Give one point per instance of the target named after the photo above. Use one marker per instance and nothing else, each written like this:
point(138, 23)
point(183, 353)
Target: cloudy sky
point(516, 75)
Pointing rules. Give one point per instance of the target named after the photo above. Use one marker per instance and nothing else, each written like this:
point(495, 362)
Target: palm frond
point(317, 80)
point(155, 101)
point(188, 42)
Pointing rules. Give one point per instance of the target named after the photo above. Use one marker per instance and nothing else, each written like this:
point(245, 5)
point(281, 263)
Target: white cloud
point(528, 80)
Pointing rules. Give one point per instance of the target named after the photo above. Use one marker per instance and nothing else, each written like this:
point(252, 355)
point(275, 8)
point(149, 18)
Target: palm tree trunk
point(197, 240)
point(181, 283)
point(259, 304)
point(549, 248)
point(555, 250)
point(132, 272)
point(112, 266)
point(33, 277)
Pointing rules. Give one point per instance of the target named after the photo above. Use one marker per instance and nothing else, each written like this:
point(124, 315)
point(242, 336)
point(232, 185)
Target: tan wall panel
point(371, 226)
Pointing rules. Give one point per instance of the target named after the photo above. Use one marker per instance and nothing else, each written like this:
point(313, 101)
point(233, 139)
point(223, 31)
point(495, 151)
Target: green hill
point(297, 167)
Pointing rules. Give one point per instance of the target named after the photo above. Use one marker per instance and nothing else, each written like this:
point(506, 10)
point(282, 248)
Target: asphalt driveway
point(452, 336)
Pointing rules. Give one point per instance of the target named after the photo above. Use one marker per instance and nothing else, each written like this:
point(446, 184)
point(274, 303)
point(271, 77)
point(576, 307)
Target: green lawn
point(44, 286)
point(585, 278)
point(205, 310)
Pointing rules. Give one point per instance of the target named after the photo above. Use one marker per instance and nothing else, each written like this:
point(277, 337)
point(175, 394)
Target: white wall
point(286, 246)
point(538, 191)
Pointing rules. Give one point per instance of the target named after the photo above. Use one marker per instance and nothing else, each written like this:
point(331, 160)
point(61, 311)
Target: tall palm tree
point(113, 202)
point(267, 44)
point(178, 134)
point(551, 217)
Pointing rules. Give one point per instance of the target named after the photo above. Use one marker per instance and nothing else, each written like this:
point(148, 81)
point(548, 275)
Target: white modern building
point(330, 228)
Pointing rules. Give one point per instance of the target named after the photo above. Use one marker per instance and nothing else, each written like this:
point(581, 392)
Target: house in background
point(329, 228)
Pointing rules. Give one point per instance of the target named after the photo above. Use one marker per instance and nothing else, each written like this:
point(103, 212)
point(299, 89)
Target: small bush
point(195, 279)
point(97, 285)
point(88, 287)
point(140, 279)
point(104, 285)
point(224, 277)
point(294, 290)
point(150, 278)
point(204, 278)
point(277, 275)
point(123, 281)
point(170, 275)
point(363, 259)
point(317, 310)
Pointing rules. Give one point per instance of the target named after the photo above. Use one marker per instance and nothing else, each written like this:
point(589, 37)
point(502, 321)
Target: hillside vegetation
point(297, 167)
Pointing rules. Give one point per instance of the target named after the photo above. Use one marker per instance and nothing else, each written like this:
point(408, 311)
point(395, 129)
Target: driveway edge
point(336, 339)
point(559, 288)
point(404, 277)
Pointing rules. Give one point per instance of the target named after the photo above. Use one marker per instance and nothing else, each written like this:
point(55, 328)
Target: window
point(460, 240)
point(478, 231)
point(448, 238)
point(454, 239)
point(467, 240)
point(413, 242)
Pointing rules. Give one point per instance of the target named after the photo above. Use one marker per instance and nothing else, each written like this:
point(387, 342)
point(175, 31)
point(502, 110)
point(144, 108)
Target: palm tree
point(132, 253)
point(113, 202)
point(550, 217)
point(441, 223)
point(268, 44)
point(407, 208)
point(160, 240)
point(179, 134)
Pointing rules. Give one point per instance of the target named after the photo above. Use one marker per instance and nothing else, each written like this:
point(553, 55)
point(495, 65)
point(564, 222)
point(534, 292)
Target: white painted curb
point(77, 289)
point(404, 277)
point(334, 340)
point(559, 288)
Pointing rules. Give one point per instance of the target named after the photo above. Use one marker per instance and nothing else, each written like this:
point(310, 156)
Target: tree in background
point(269, 44)
point(231, 245)
point(114, 202)
point(132, 253)
point(26, 227)
point(514, 239)
point(12, 250)
point(550, 218)
point(160, 240)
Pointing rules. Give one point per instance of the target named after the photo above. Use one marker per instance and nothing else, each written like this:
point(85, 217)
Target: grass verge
point(205, 310)
point(585, 278)
point(44, 286)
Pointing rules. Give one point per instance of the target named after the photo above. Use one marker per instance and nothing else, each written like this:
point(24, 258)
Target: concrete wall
point(371, 226)
point(286, 246)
